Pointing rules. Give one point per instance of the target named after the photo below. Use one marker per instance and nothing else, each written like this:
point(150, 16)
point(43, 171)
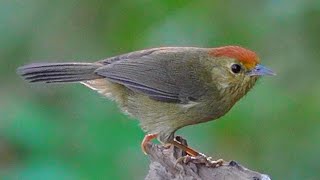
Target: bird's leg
point(195, 157)
point(192, 155)
point(185, 148)
point(145, 141)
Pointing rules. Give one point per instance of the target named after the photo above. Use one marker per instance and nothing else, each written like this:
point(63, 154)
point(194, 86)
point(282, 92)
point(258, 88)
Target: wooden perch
point(164, 167)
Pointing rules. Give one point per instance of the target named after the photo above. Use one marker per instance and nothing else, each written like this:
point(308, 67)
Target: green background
point(71, 132)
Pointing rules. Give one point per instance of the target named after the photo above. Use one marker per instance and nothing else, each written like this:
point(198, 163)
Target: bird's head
point(236, 69)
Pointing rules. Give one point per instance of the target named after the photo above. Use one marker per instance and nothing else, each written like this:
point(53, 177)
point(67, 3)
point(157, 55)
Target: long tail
point(59, 72)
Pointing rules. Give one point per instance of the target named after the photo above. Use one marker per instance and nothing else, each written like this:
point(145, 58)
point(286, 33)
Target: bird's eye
point(235, 68)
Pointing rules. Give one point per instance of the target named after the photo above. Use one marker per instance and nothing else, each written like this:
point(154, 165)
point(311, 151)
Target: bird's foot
point(193, 155)
point(200, 159)
point(146, 140)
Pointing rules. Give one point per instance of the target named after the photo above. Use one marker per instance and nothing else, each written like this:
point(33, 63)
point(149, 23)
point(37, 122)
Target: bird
point(165, 88)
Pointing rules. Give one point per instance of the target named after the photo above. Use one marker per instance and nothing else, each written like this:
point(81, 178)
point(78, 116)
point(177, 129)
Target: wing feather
point(165, 75)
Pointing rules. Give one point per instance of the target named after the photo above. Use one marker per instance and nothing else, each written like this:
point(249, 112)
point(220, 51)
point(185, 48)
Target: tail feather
point(59, 72)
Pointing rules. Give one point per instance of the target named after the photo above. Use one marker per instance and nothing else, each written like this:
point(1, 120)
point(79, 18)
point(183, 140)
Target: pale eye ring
point(236, 68)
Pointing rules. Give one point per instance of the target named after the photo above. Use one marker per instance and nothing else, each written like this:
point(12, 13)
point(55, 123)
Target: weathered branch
point(163, 166)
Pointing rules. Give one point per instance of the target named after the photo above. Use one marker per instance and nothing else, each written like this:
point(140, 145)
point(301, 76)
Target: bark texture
point(163, 166)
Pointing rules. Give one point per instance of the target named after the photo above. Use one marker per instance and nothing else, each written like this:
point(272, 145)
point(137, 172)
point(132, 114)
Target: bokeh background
point(71, 132)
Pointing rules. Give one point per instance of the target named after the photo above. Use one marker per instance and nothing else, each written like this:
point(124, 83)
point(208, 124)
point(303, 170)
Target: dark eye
point(235, 68)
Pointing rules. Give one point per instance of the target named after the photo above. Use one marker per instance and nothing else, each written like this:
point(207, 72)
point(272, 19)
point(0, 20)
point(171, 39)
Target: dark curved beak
point(260, 70)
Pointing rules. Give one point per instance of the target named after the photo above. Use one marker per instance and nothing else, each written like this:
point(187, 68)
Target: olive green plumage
point(165, 88)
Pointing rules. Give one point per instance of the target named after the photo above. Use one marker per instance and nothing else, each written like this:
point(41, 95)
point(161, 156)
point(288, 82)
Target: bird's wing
point(164, 74)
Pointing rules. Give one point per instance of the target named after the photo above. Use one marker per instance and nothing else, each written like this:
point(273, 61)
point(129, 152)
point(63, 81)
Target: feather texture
point(249, 58)
point(164, 74)
point(59, 72)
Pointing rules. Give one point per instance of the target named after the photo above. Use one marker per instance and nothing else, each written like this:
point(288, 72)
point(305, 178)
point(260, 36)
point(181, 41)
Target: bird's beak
point(260, 70)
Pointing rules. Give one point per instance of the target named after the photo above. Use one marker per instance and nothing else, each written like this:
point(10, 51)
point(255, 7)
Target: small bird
point(166, 88)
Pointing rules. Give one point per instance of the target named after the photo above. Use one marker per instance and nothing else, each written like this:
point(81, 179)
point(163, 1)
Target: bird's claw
point(200, 159)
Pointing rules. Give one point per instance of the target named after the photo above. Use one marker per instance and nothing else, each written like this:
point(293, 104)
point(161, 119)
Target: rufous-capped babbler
point(165, 88)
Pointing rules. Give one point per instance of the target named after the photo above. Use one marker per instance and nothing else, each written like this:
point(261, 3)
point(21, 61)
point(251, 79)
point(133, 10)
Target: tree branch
point(163, 166)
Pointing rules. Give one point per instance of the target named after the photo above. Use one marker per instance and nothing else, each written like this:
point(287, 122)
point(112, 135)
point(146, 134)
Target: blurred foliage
point(70, 132)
